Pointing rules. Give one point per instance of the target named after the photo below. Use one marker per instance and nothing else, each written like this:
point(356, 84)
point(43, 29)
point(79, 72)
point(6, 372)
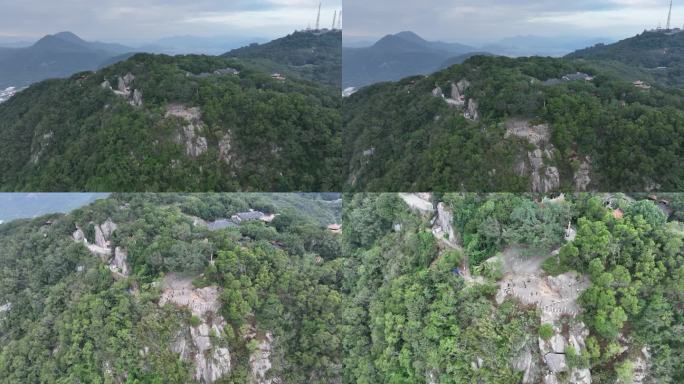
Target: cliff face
point(202, 341)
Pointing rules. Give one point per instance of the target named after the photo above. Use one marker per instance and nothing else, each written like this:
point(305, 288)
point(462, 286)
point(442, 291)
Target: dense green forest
point(66, 316)
point(311, 55)
point(492, 288)
point(185, 123)
point(655, 55)
point(424, 311)
point(527, 124)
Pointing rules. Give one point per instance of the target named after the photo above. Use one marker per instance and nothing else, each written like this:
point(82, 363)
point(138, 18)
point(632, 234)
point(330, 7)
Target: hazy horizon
point(146, 21)
point(489, 21)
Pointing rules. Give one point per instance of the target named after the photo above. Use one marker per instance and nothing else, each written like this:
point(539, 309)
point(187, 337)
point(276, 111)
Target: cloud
point(151, 19)
point(466, 20)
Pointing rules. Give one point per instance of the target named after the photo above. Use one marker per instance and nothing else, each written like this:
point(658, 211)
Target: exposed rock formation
point(196, 344)
point(260, 361)
point(225, 145)
point(39, 145)
point(118, 265)
point(544, 178)
point(443, 228)
point(472, 112)
point(642, 365)
point(437, 92)
point(458, 93)
point(419, 202)
point(523, 362)
point(555, 297)
point(103, 249)
point(190, 135)
point(125, 89)
point(581, 177)
point(534, 134)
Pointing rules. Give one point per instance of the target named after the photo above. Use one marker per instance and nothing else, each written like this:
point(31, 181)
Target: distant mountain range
point(58, 55)
point(63, 54)
point(406, 54)
point(397, 56)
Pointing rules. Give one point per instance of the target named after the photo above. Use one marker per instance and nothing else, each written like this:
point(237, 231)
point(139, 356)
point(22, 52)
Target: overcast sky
point(146, 20)
point(472, 21)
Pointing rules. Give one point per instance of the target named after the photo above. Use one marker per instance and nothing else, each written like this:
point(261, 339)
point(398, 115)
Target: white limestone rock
point(190, 134)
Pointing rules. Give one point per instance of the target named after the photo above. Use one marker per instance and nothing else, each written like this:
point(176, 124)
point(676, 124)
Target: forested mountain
point(527, 124)
point(58, 55)
point(396, 56)
point(184, 123)
point(656, 55)
point(147, 289)
point(312, 55)
point(505, 288)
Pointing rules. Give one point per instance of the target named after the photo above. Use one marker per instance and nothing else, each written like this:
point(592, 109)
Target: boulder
point(118, 264)
point(580, 376)
point(437, 92)
point(78, 235)
point(556, 362)
point(472, 112)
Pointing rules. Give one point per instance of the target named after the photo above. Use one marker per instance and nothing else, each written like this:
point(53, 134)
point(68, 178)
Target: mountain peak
point(68, 36)
point(60, 40)
point(410, 36)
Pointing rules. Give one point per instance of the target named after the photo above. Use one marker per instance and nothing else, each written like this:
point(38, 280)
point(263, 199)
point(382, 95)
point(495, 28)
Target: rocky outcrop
point(443, 228)
point(260, 361)
point(118, 265)
point(437, 92)
point(524, 362)
point(78, 235)
point(200, 344)
point(537, 135)
point(191, 132)
point(458, 93)
point(555, 298)
point(419, 202)
point(225, 145)
point(472, 111)
point(642, 365)
point(125, 89)
point(39, 146)
point(102, 247)
point(544, 177)
point(581, 178)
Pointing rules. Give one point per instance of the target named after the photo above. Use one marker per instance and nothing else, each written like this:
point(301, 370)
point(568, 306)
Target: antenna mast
point(334, 24)
point(669, 17)
point(318, 18)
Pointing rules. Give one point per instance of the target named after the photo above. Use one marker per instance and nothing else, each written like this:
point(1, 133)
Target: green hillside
point(70, 315)
point(508, 299)
point(527, 124)
point(655, 54)
point(311, 55)
point(176, 124)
